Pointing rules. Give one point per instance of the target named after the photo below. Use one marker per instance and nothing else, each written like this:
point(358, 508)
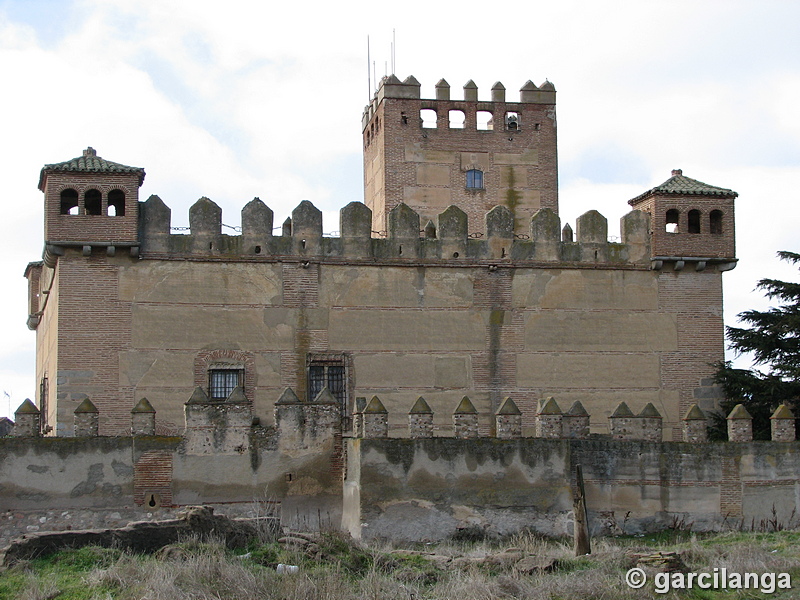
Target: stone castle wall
point(435, 313)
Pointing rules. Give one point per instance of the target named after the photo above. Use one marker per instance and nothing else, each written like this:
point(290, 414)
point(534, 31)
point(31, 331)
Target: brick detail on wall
point(94, 327)
point(520, 167)
point(206, 359)
point(300, 285)
point(730, 501)
point(317, 340)
point(152, 474)
point(493, 288)
point(92, 228)
point(696, 300)
point(293, 372)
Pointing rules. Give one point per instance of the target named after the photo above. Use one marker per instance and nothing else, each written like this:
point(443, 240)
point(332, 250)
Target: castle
point(454, 278)
point(453, 288)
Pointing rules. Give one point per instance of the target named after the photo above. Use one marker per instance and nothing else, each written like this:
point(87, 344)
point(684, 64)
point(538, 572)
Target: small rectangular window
point(474, 179)
point(221, 382)
point(328, 371)
point(332, 376)
point(334, 371)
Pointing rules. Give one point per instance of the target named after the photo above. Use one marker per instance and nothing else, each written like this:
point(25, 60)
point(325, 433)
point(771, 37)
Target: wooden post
point(582, 542)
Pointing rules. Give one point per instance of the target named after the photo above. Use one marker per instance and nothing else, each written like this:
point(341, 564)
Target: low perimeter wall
point(402, 489)
point(428, 489)
point(55, 484)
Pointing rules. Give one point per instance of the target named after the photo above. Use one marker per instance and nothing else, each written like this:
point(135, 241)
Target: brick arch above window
point(103, 188)
point(210, 359)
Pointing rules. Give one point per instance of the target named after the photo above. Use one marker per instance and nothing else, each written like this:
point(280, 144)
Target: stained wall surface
point(425, 490)
point(598, 335)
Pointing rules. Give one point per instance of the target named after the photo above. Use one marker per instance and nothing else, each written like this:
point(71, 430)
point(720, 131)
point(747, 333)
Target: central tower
point(430, 154)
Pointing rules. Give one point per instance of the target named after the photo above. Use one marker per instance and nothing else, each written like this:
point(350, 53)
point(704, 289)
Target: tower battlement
point(446, 239)
point(392, 87)
point(433, 153)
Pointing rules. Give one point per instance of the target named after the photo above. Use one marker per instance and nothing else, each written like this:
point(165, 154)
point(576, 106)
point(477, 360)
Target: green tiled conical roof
point(650, 411)
point(288, 397)
point(550, 407)
point(375, 406)
point(27, 407)
point(143, 406)
point(681, 185)
point(88, 163)
point(325, 396)
point(87, 406)
point(782, 412)
point(577, 410)
point(198, 396)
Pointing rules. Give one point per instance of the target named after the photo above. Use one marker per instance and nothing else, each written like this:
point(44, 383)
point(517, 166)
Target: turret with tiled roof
point(90, 203)
point(691, 222)
point(681, 185)
point(88, 162)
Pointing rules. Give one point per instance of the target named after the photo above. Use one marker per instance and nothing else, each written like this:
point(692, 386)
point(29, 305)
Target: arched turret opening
point(485, 120)
point(69, 202)
point(715, 222)
point(428, 118)
point(694, 221)
point(116, 203)
point(456, 118)
point(673, 216)
point(93, 202)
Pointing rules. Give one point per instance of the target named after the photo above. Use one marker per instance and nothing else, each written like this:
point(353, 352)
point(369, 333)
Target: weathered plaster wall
point(428, 489)
point(62, 478)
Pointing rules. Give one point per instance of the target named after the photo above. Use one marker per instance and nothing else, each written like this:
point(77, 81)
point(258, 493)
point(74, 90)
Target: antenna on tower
point(369, 80)
point(394, 47)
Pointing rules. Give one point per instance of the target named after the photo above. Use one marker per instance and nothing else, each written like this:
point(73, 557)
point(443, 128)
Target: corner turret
point(90, 202)
point(690, 222)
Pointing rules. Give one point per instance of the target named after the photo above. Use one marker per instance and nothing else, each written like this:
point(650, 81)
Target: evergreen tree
point(773, 339)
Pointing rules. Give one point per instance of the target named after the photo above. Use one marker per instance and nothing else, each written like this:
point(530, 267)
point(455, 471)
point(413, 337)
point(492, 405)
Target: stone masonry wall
point(585, 320)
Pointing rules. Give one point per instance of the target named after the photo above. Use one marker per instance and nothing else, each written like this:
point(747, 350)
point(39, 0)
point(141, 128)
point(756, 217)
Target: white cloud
point(240, 99)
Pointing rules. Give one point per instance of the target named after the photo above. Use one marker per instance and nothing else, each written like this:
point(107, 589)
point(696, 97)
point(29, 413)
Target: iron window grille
point(330, 375)
point(221, 382)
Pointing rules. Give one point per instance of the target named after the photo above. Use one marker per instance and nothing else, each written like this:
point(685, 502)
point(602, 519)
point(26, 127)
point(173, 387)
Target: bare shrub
point(37, 589)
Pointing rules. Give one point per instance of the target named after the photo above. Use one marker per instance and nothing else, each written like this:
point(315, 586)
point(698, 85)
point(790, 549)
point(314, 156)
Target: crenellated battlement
point(447, 239)
point(409, 89)
point(226, 426)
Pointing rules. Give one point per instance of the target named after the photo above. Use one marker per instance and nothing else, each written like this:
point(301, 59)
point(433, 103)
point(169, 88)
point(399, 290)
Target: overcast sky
point(235, 99)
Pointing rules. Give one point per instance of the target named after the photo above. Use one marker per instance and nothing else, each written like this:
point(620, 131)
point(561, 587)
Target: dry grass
point(194, 570)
